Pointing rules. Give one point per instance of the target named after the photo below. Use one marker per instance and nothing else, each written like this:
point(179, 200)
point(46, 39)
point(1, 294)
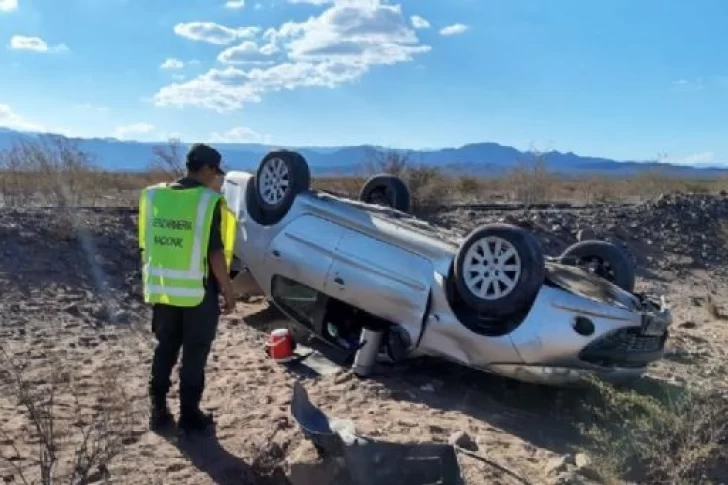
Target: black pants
point(191, 330)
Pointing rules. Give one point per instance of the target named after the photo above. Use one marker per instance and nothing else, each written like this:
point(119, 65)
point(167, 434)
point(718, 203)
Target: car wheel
point(252, 206)
point(387, 190)
point(281, 175)
point(604, 259)
point(499, 269)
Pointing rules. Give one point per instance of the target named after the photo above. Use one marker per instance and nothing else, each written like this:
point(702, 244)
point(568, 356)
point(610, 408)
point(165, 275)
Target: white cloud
point(454, 29)
point(240, 134)
point(10, 119)
point(124, 132)
point(172, 63)
point(218, 89)
point(365, 32)
point(419, 22)
point(35, 44)
point(248, 53)
point(8, 5)
point(235, 4)
point(213, 33)
point(336, 47)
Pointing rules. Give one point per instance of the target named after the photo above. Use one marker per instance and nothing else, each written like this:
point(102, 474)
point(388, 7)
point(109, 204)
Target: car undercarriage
point(490, 300)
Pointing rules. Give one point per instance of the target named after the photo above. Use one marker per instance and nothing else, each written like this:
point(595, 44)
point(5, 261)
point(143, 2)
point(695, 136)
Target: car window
point(302, 302)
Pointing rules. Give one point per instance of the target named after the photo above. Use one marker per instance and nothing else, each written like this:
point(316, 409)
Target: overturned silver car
point(490, 300)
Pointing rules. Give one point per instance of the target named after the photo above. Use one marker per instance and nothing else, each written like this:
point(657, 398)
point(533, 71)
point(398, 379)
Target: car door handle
point(339, 281)
point(276, 253)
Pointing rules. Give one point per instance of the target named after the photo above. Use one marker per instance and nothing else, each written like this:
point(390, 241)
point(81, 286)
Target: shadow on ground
point(266, 319)
point(209, 456)
point(546, 417)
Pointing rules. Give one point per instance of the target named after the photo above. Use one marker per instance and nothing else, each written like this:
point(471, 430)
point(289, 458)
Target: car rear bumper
point(565, 376)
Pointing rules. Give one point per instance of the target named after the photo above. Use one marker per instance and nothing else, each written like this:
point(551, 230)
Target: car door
point(381, 279)
point(302, 251)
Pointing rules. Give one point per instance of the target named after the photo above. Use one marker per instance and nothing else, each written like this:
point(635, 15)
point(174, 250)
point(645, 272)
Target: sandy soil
point(69, 302)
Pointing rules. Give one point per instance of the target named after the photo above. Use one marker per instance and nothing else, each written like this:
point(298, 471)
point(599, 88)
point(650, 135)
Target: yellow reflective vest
point(174, 231)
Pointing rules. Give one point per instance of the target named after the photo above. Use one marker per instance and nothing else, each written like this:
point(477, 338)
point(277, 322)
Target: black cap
point(200, 155)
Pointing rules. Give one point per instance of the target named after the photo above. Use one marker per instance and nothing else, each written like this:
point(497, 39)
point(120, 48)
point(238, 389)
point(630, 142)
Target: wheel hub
point(492, 268)
point(274, 181)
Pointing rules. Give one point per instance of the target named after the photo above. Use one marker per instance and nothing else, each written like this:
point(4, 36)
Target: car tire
point(612, 263)
point(388, 190)
point(519, 270)
point(281, 176)
point(252, 206)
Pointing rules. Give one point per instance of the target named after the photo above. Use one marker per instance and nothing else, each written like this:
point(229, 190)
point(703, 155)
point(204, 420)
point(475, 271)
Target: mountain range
point(475, 158)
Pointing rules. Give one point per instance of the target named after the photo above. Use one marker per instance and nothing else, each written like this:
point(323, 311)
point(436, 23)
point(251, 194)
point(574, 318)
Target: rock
point(121, 317)
point(568, 478)
point(581, 460)
point(678, 230)
point(557, 464)
point(463, 440)
point(585, 234)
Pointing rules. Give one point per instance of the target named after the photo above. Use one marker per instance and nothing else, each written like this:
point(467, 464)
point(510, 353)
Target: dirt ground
point(71, 318)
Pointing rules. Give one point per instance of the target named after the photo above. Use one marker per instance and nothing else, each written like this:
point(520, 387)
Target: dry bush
point(49, 169)
point(652, 183)
point(169, 160)
point(340, 185)
point(468, 186)
point(75, 440)
point(394, 162)
point(530, 181)
point(675, 436)
point(595, 190)
point(429, 185)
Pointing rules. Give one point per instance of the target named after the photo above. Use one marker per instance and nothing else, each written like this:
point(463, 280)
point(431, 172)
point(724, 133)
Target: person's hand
point(230, 302)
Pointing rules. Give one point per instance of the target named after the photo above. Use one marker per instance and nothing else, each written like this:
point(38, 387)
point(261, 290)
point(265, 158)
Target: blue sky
point(628, 79)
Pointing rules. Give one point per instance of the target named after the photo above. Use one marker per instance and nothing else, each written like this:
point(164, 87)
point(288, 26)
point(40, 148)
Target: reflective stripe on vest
point(174, 285)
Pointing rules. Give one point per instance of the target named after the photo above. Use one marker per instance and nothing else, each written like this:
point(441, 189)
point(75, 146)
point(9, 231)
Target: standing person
point(186, 232)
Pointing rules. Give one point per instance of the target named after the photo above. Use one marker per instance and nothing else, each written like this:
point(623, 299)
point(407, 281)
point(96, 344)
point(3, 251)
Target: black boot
point(159, 415)
point(194, 421)
point(191, 418)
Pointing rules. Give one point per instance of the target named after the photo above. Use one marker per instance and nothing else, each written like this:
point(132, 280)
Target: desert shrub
point(49, 169)
point(596, 190)
point(530, 181)
point(429, 185)
point(469, 186)
point(75, 440)
point(168, 160)
point(346, 186)
point(653, 182)
point(672, 435)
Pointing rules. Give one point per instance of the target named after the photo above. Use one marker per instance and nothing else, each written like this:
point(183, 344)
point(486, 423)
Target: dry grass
point(53, 170)
point(668, 436)
point(75, 439)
